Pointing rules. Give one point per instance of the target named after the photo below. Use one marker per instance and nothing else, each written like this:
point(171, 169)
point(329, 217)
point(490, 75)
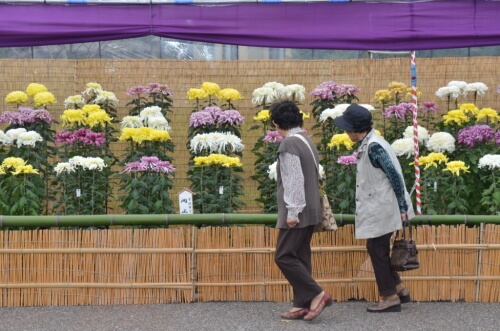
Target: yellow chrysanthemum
point(305, 115)
point(455, 167)
point(98, 118)
point(71, 117)
point(432, 160)
point(263, 115)
point(25, 169)
point(382, 96)
point(43, 99)
point(397, 87)
point(469, 108)
point(456, 116)
point(159, 135)
point(94, 86)
point(2, 170)
point(197, 93)
point(210, 88)
point(487, 113)
point(88, 109)
point(229, 94)
point(217, 159)
point(16, 97)
point(230, 162)
point(341, 140)
point(139, 135)
point(13, 162)
point(35, 88)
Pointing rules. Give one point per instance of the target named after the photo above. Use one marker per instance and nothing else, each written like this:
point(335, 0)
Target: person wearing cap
point(299, 210)
point(382, 203)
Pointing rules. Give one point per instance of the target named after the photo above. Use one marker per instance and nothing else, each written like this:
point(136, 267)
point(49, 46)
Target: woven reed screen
point(188, 264)
point(68, 77)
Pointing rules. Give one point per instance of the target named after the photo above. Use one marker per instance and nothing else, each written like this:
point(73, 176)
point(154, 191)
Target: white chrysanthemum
point(64, 167)
point(367, 106)
point(5, 139)
point(159, 123)
point(28, 138)
point(333, 112)
point(152, 111)
point(216, 142)
point(322, 173)
point(106, 97)
point(73, 100)
point(94, 88)
point(296, 92)
point(490, 161)
point(14, 133)
point(274, 85)
point(272, 172)
point(131, 122)
point(403, 147)
point(93, 163)
point(478, 87)
point(452, 91)
point(262, 94)
point(441, 142)
point(423, 134)
point(77, 161)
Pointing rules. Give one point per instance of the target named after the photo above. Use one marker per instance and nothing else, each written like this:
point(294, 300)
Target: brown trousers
point(293, 257)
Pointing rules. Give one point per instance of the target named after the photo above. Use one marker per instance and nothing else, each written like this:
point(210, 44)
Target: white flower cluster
point(403, 147)
point(456, 88)
point(490, 161)
point(273, 91)
point(216, 142)
point(441, 142)
point(338, 110)
point(423, 134)
point(20, 136)
point(106, 97)
point(150, 117)
point(76, 162)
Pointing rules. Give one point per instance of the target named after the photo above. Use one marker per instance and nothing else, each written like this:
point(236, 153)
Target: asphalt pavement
point(251, 316)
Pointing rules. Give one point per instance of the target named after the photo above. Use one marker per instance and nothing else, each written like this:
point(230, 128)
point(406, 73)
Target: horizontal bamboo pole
point(210, 219)
point(225, 284)
point(426, 247)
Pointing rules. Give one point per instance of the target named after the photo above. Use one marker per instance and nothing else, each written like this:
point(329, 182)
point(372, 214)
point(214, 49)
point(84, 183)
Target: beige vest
point(377, 211)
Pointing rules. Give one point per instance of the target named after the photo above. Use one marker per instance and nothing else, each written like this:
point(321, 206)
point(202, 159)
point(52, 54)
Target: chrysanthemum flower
point(210, 88)
point(341, 140)
point(13, 134)
point(490, 161)
point(13, 162)
point(382, 96)
point(98, 118)
point(471, 135)
point(43, 99)
point(432, 160)
point(92, 88)
point(35, 88)
point(272, 137)
point(456, 116)
point(441, 142)
point(455, 167)
point(229, 94)
point(348, 159)
point(28, 138)
point(230, 117)
point(16, 97)
point(333, 113)
point(74, 101)
point(403, 147)
point(448, 91)
point(197, 93)
point(263, 115)
point(468, 108)
point(25, 169)
point(296, 92)
point(488, 113)
point(478, 88)
point(263, 95)
point(423, 134)
point(106, 97)
point(271, 172)
point(71, 117)
point(131, 122)
point(64, 167)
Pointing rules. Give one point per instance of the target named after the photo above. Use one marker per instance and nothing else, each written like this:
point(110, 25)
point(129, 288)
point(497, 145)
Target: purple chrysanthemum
point(155, 88)
point(471, 135)
point(201, 118)
point(272, 137)
point(429, 107)
point(325, 90)
point(231, 117)
point(138, 90)
point(399, 111)
point(149, 163)
point(84, 136)
point(26, 115)
point(349, 159)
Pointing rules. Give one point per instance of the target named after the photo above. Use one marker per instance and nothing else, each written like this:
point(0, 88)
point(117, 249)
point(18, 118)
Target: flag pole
point(413, 71)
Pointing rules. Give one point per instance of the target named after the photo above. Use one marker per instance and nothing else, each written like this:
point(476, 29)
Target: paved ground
point(251, 316)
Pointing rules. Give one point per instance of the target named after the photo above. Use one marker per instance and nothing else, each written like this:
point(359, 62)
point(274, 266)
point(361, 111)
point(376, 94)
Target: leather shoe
point(295, 315)
point(325, 301)
point(404, 295)
point(385, 306)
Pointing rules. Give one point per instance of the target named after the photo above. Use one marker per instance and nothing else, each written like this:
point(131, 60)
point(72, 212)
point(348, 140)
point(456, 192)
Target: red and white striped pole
point(413, 70)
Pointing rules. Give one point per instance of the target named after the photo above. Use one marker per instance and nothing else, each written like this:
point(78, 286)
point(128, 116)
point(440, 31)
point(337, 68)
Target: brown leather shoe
point(386, 306)
point(326, 300)
point(295, 315)
point(404, 295)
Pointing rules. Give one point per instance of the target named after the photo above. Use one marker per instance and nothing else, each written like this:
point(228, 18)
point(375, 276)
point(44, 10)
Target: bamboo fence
point(50, 267)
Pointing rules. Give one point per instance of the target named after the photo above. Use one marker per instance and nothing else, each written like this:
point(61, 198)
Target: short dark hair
point(286, 114)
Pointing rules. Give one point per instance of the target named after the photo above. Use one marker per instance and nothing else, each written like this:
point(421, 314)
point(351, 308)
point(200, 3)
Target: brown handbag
point(404, 252)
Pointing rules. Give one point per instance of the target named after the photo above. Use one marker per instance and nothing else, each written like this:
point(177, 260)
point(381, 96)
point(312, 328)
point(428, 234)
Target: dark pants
point(293, 257)
point(386, 277)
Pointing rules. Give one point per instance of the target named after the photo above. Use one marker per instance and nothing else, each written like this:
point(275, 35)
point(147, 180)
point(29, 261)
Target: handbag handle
point(310, 149)
point(407, 224)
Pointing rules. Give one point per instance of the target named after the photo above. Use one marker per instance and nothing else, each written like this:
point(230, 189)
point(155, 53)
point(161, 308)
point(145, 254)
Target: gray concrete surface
point(251, 316)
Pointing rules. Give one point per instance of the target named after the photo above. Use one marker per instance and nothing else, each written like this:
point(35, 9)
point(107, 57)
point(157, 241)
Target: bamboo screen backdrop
point(185, 264)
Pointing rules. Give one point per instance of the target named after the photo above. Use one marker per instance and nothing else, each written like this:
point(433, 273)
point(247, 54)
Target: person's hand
point(292, 223)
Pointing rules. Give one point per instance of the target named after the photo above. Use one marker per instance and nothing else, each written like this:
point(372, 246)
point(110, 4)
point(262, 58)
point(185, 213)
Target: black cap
point(355, 118)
